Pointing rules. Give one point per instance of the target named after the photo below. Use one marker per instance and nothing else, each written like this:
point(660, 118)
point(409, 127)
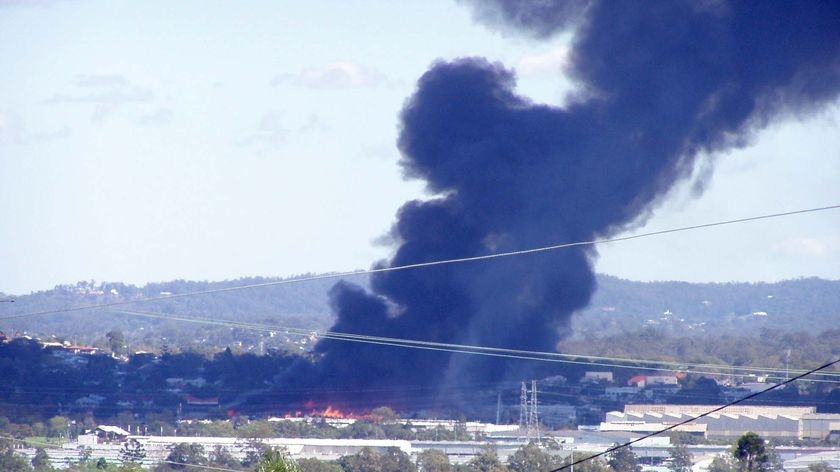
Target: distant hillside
point(682, 308)
point(618, 306)
point(294, 305)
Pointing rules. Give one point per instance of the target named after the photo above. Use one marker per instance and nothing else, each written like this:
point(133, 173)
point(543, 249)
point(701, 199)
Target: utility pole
point(523, 408)
point(498, 407)
point(787, 360)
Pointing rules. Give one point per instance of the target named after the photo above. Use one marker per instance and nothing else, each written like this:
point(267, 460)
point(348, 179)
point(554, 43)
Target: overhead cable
point(695, 418)
point(419, 265)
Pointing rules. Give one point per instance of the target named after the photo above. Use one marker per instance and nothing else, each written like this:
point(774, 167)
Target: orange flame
point(331, 412)
point(328, 412)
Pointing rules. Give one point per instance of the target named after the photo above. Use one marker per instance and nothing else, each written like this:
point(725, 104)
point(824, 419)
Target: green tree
point(681, 460)
point(461, 433)
point(590, 465)
point(399, 431)
point(751, 453)
point(487, 461)
point(383, 414)
point(363, 430)
point(41, 461)
point(57, 426)
point(395, 460)
point(532, 458)
point(10, 461)
point(255, 450)
point(367, 460)
point(624, 460)
point(315, 465)
point(116, 340)
point(84, 453)
point(131, 467)
point(433, 460)
point(820, 467)
point(220, 456)
point(256, 429)
point(722, 464)
point(132, 452)
point(183, 455)
point(273, 460)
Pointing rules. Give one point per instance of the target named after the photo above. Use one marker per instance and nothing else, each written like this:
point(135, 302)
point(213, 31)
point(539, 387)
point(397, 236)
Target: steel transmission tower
point(529, 421)
point(533, 416)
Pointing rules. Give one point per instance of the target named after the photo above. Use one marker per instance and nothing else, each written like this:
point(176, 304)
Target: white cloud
point(270, 133)
point(804, 246)
point(548, 63)
point(338, 75)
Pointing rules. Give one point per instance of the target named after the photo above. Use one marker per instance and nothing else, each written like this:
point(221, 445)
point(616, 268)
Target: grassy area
point(43, 441)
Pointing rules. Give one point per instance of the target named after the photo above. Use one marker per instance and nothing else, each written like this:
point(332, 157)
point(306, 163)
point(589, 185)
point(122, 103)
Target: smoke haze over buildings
point(662, 86)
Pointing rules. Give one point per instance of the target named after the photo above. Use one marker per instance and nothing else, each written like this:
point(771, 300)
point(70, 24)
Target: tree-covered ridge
point(293, 305)
point(677, 308)
point(769, 349)
point(699, 309)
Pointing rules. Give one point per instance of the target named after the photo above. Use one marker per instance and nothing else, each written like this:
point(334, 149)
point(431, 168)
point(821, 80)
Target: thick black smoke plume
point(663, 82)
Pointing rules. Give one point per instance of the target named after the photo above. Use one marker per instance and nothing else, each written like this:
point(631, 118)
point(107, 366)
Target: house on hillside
point(597, 377)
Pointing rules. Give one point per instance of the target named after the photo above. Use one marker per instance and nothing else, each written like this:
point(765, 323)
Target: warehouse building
point(772, 422)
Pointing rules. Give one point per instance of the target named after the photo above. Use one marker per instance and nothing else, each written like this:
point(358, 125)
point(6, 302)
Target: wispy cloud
point(46, 136)
point(338, 75)
point(270, 133)
point(107, 92)
point(13, 131)
point(159, 117)
point(803, 246)
point(314, 124)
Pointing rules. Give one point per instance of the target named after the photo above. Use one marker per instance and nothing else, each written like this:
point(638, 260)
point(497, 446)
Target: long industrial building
point(778, 422)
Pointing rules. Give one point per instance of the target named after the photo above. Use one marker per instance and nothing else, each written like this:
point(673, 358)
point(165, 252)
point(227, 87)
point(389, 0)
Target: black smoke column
point(663, 83)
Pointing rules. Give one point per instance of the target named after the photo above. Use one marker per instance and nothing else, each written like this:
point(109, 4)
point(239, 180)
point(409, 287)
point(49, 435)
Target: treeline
point(677, 308)
point(770, 349)
point(749, 453)
point(38, 383)
point(147, 325)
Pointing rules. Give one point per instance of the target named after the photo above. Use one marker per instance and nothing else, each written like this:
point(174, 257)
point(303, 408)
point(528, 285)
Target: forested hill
point(682, 308)
point(678, 308)
point(296, 305)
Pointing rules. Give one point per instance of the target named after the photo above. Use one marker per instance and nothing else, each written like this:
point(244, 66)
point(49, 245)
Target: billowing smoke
point(661, 84)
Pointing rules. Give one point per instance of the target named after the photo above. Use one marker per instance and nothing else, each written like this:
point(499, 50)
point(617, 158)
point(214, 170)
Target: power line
point(690, 420)
point(594, 456)
point(419, 265)
point(544, 356)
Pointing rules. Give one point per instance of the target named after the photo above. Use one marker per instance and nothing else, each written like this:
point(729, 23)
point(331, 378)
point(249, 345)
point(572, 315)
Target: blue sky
point(149, 141)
